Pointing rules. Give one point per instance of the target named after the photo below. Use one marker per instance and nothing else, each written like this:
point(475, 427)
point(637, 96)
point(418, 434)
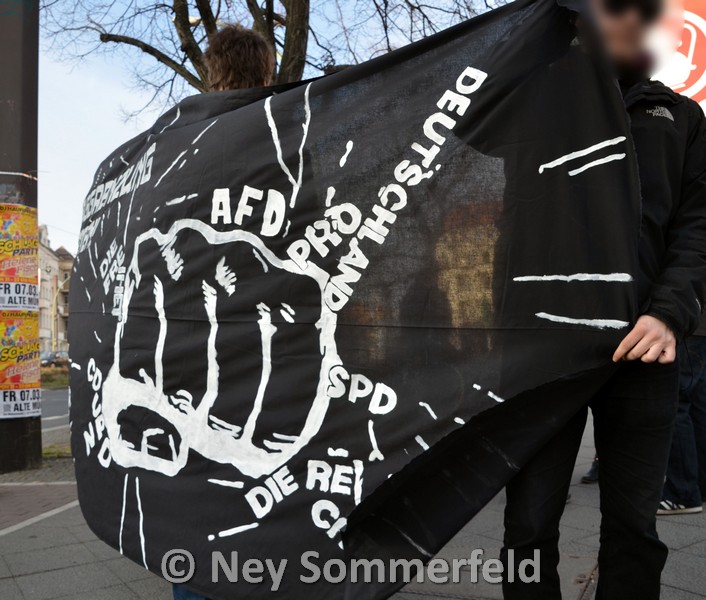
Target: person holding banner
point(236, 58)
point(634, 412)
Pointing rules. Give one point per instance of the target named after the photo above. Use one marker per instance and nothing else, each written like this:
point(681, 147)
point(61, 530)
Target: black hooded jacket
point(669, 133)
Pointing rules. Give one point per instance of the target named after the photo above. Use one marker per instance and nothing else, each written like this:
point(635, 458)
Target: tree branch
point(259, 21)
point(207, 17)
point(159, 55)
point(188, 43)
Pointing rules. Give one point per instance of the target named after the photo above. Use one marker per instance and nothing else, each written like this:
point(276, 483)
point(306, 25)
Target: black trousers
point(634, 417)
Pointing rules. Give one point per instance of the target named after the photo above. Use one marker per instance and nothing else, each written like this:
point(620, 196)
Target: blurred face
point(623, 26)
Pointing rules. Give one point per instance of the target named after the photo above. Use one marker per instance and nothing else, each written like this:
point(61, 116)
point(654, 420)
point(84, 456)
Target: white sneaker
point(667, 507)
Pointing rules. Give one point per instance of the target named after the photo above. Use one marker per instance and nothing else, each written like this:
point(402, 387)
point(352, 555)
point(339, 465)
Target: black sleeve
point(678, 295)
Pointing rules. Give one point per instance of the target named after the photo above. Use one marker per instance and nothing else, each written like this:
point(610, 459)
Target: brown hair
point(238, 58)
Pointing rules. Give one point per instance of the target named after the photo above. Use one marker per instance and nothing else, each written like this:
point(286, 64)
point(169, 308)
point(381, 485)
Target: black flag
point(332, 320)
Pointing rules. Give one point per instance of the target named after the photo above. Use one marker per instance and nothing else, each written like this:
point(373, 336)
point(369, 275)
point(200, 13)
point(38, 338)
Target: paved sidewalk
point(48, 553)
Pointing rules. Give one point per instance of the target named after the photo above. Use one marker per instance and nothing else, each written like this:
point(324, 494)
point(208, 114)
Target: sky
point(81, 120)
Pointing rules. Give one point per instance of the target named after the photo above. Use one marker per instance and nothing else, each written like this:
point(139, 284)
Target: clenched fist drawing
point(222, 348)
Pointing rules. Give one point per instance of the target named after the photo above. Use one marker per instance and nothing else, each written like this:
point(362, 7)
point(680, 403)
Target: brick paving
point(26, 495)
point(23, 502)
point(52, 471)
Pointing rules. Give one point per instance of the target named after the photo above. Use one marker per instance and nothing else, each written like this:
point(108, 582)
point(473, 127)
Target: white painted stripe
point(344, 158)
point(296, 183)
point(224, 424)
point(267, 332)
point(607, 277)
point(579, 153)
point(198, 137)
point(429, 409)
point(596, 163)
point(122, 515)
point(261, 259)
point(307, 121)
point(286, 438)
point(495, 397)
point(142, 521)
point(176, 160)
point(235, 530)
point(233, 484)
point(275, 139)
point(330, 193)
point(90, 262)
point(48, 429)
point(54, 418)
point(421, 442)
point(158, 292)
point(358, 483)
point(36, 483)
point(38, 518)
point(597, 323)
point(375, 454)
point(338, 452)
point(178, 113)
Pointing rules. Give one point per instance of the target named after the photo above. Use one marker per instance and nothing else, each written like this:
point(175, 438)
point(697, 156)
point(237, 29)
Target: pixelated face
point(623, 26)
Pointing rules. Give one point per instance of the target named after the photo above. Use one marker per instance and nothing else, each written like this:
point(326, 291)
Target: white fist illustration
point(222, 348)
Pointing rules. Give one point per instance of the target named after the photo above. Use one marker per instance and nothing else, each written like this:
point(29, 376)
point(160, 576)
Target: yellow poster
point(19, 364)
point(19, 255)
point(19, 318)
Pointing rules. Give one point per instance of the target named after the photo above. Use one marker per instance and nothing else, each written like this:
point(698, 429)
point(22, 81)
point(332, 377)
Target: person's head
point(238, 58)
point(623, 26)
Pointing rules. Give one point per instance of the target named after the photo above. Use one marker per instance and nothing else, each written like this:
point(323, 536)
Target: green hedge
point(55, 378)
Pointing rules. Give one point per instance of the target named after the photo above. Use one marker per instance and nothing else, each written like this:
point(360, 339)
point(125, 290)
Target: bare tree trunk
point(189, 45)
point(295, 41)
point(208, 19)
point(264, 19)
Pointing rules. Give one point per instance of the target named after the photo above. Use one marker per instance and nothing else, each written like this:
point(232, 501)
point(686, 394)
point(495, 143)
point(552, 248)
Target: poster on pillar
point(19, 364)
point(18, 258)
point(19, 318)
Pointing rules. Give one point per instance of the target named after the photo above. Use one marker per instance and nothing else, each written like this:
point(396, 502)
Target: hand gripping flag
point(337, 317)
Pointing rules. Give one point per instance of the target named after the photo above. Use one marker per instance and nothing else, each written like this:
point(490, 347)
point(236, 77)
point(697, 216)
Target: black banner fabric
point(302, 319)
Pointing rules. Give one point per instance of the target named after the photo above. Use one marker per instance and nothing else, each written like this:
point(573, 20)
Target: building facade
point(55, 268)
